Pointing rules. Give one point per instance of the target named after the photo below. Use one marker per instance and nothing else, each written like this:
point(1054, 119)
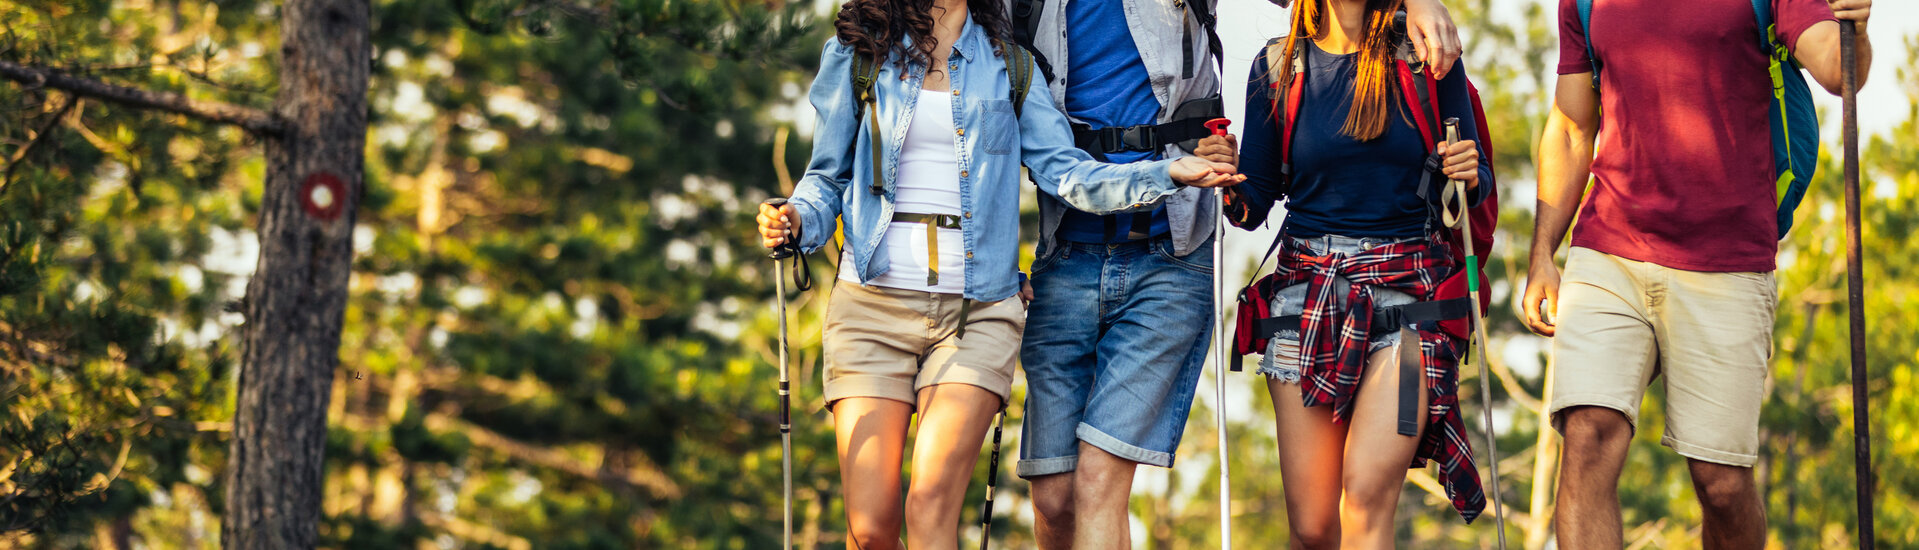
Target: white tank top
point(928, 183)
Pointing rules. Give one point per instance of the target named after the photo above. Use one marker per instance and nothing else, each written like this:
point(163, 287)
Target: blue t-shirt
point(1107, 86)
point(1341, 185)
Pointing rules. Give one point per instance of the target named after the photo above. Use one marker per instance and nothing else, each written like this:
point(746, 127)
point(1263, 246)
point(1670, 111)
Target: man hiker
point(1117, 333)
point(1671, 267)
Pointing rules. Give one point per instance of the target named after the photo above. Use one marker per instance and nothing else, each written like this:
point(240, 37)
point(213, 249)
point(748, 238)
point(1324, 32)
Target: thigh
point(1375, 452)
point(1715, 344)
point(871, 434)
point(1152, 353)
point(952, 427)
point(1310, 449)
point(872, 342)
point(1605, 352)
point(1056, 352)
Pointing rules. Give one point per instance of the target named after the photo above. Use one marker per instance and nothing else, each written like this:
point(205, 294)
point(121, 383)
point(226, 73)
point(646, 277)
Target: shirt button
point(961, 131)
point(956, 92)
point(969, 255)
point(962, 173)
point(969, 215)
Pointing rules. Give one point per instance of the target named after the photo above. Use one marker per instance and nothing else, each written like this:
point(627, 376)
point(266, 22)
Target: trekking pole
point(1218, 126)
point(992, 480)
point(781, 252)
point(1457, 190)
point(1856, 286)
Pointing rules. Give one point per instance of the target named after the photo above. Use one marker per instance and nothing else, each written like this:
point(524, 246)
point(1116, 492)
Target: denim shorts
point(1115, 340)
point(1282, 363)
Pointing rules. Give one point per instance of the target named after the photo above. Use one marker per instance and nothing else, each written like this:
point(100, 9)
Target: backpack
point(1416, 86)
point(1795, 122)
point(866, 71)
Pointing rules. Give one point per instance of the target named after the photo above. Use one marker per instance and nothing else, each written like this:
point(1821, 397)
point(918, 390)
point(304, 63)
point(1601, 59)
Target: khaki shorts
point(889, 343)
point(1624, 322)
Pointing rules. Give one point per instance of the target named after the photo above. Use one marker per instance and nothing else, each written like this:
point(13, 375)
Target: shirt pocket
point(999, 128)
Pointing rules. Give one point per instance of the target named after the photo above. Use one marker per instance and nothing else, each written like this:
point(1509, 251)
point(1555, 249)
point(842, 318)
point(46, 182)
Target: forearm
point(1565, 165)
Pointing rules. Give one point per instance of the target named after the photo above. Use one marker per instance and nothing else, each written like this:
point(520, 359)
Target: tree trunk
point(297, 298)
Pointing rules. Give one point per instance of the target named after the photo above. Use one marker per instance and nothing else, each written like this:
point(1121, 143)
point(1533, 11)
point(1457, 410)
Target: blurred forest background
point(560, 333)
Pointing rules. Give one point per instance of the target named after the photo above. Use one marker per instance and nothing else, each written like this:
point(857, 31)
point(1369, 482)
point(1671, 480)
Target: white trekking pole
point(1218, 125)
point(1456, 190)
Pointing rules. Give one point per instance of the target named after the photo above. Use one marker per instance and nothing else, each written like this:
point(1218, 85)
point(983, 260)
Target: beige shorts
point(1623, 322)
point(889, 343)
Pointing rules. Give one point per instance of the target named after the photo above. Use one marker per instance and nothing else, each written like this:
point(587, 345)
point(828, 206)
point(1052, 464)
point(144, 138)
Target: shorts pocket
point(1000, 127)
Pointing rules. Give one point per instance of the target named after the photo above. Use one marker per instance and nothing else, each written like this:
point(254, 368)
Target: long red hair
point(1373, 86)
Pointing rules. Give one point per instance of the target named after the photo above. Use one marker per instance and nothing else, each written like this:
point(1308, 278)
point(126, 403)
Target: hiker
point(1670, 273)
point(1117, 334)
point(919, 156)
point(1351, 171)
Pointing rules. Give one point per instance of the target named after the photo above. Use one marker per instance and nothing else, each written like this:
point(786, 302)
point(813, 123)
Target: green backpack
point(866, 70)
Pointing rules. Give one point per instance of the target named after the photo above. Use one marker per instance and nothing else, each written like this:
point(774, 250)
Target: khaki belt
point(933, 222)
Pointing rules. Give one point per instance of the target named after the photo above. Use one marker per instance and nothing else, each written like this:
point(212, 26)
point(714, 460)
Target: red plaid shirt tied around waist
point(1334, 328)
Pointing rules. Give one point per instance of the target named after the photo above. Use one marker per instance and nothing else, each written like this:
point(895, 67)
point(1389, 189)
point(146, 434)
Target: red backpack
point(1418, 88)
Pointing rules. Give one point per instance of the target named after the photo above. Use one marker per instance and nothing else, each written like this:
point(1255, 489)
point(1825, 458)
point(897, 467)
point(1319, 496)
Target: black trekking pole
point(1855, 285)
point(801, 281)
point(992, 480)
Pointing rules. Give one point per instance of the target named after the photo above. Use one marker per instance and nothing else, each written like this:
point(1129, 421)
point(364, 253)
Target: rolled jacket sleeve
point(821, 190)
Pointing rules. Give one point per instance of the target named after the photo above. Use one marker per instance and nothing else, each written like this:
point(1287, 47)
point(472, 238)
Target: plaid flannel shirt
point(1337, 322)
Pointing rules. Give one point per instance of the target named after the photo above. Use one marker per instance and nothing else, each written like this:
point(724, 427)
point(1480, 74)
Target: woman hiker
point(1353, 213)
point(922, 319)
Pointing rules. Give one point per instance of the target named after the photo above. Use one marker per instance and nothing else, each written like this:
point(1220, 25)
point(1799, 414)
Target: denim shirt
point(1164, 32)
point(991, 144)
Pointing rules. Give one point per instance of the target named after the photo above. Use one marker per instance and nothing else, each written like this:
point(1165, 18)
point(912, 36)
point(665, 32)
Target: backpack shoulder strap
point(1202, 10)
point(866, 72)
point(1025, 19)
point(1586, 23)
point(1762, 12)
point(1019, 73)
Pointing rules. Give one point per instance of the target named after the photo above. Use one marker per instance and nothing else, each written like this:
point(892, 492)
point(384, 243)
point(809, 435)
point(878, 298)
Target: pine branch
point(253, 120)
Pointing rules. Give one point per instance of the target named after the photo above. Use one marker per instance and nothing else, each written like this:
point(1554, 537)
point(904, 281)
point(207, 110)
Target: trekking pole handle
point(1453, 202)
point(1218, 126)
point(785, 249)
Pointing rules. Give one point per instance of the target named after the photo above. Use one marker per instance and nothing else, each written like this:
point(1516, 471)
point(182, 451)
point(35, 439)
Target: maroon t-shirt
point(1684, 175)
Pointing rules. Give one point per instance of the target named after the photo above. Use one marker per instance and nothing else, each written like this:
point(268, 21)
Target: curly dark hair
point(875, 28)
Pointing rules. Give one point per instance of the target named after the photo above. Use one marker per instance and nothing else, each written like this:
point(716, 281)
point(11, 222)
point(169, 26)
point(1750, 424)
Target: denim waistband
point(1142, 245)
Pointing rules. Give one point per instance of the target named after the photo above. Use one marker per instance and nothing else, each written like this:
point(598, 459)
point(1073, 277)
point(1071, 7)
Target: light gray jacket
point(1161, 30)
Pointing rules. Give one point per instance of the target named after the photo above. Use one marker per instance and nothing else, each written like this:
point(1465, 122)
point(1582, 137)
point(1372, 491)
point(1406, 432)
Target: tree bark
point(296, 299)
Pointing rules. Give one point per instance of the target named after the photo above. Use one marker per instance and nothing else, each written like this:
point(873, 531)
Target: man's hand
point(1542, 285)
point(1222, 149)
point(1199, 172)
point(1430, 27)
point(777, 224)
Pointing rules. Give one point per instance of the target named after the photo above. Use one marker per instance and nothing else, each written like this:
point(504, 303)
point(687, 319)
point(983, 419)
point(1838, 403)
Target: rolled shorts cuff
point(1106, 442)
point(1029, 468)
point(1560, 404)
point(866, 385)
point(1696, 452)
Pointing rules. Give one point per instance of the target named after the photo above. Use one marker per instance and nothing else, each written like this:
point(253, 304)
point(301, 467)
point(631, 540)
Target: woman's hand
point(777, 224)
point(1219, 148)
point(1461, 162)
point(1199, 172)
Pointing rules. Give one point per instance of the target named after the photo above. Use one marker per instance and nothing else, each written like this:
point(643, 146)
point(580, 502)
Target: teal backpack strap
point(1019, 73)
point(866, 71)
point(1794, 120)
point(1586, 23)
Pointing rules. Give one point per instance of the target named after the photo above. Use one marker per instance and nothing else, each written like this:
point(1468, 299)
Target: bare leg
point(1735, 518)
point(1103, 485)
point(1310, 445)
point(1053, 511)
point(953, 423)
point(1587, 516)
point(1377, 457)
point(872, 438)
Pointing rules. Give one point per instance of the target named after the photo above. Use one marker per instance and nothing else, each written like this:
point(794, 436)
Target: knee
point(934, 503)
point(1370, 498)
point(1724, 488)
point(1315, 531)
point(1593, 431)
point(1053, 502)
point(874, 533)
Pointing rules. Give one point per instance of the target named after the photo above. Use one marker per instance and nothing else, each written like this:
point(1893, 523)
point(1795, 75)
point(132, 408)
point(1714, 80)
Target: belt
point(933, 224)
point(1401, 318)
